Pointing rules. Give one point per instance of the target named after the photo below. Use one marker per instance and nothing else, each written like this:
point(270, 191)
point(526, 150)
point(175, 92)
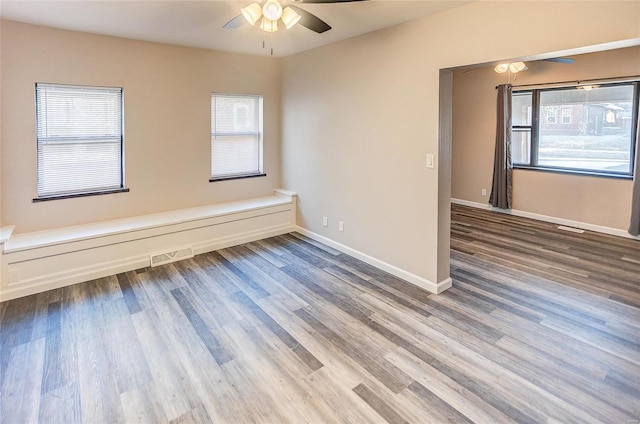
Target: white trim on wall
point(46, 260)
point(416, 280)
point(547, 218)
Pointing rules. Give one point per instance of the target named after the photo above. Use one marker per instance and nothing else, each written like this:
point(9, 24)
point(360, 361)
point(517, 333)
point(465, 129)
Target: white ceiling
point(199, 23)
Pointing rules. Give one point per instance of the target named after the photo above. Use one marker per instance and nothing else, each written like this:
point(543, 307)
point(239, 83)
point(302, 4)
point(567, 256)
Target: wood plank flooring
point(604, 265)
point(286, 330)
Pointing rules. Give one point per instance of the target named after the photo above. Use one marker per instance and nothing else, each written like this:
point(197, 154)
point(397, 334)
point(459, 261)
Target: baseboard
point(414, 279)
point(546, 218)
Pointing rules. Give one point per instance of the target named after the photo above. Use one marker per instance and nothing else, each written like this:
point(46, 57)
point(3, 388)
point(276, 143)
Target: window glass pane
point(521, 146)
point(67, 168)
point(79, 139)
point(236, 135)
point(521, 109)
point(235, 155)
point(587, 129)
point(69, 111)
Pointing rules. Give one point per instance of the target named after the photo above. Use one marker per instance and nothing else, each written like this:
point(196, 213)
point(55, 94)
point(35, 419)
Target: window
point(236, 136)
point(580, 129)
point(79, 140)
point(521, 127)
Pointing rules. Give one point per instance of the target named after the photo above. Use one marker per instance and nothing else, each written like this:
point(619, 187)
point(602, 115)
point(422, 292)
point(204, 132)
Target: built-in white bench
point(44, 260)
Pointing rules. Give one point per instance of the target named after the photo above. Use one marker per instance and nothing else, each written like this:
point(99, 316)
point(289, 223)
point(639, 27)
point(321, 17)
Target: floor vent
point(168, 257)
point(573, 230)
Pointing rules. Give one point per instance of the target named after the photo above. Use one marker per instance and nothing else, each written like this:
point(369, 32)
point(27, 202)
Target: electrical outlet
point(341, 226)
point(325, 221)
point(484, 191)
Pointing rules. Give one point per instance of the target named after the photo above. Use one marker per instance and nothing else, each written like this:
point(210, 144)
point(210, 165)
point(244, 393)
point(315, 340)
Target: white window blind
point(79, 135)
point(236, 135)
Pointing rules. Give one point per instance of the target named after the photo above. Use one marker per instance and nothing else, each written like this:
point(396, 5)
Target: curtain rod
point(580, 82)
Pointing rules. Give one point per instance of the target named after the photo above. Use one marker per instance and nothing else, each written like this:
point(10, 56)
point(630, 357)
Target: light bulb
point(501, 68)
point(272, 10)
point(516, 67)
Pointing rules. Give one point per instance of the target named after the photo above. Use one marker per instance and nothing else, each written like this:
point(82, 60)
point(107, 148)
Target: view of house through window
point(236, 136)
point(585, 128)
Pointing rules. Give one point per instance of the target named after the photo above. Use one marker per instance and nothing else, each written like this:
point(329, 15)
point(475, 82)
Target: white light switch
point(325, 221)
point(340, 226)
point(430, 160)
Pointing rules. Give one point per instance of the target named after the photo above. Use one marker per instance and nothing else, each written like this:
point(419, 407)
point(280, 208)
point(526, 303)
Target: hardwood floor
point(604, 265)
point(289, 330)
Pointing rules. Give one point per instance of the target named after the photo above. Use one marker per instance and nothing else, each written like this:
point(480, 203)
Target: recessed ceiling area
point(199, 23)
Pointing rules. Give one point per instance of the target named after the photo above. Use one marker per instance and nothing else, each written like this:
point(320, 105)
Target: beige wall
point(593, 200)
point(359, 116)
point(167, 93)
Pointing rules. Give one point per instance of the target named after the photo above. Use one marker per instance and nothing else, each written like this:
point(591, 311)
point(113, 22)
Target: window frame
point(260, 133)
point(79, 193)
point(535, 132)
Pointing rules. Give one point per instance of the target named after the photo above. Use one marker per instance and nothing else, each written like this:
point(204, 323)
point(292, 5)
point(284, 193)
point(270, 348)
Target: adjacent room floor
point(540, 326)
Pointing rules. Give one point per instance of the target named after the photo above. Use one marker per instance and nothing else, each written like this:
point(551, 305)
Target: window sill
point(574, 172)
point(71, 196)
point(235, 177)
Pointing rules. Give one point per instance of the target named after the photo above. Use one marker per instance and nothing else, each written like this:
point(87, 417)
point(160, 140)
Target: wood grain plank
point(305, 356)
point(392, 378)
point(124, 280)
point(176, 394)
point(21, 391)
point(385, 410)
point(215, 347)
point(141, 405)
point(540, 326)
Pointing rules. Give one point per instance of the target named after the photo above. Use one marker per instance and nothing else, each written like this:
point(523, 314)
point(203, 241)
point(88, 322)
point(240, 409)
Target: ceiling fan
point(516, 67)
point(270, 12)
point(567, 60)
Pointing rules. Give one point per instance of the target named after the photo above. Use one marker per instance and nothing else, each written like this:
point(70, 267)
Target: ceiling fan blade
point(326, 1)
point(235, 22)
point(311, 21)
point(568, 60)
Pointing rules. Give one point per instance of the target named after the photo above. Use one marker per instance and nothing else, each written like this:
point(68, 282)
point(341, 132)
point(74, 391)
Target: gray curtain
point(634, 228)
point(502, 167)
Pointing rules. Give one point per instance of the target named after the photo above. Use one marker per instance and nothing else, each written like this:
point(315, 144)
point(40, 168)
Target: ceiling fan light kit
point(268, 25)
point(517, 67)
point(270, 13)
point(514, 67)
point(272, 10)
point(289, 17)
point(252, 13)
point(501, 68)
